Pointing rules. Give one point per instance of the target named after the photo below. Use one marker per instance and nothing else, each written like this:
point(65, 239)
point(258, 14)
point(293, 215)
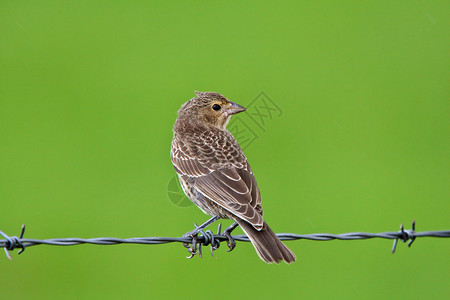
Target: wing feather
point(225, 193)
point(233, 187)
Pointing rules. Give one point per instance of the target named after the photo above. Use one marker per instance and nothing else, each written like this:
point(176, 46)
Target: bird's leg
point(194, 235)
point(201, 227)
point(231, 243)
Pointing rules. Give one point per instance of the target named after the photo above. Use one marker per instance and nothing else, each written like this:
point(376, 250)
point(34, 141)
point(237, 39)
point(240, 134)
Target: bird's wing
point(233, 188)
point(184, 163)
point(236, 191)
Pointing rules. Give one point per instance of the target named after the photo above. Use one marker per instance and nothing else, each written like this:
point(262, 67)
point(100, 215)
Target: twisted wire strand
point(242, 238)
point(208, 238)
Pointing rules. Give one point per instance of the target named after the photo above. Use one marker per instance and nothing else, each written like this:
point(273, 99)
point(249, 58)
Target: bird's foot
point(207, 238)
point(231, 243)
point(192, 246)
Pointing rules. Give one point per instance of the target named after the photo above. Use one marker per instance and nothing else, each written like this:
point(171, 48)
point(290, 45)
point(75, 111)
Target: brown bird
point(216, 176)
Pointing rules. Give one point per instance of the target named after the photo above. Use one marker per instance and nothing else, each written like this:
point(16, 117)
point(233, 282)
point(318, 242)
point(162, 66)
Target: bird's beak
point(235, 108)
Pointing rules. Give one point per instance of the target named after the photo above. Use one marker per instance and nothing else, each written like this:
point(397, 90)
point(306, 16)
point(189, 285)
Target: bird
point(215, 174)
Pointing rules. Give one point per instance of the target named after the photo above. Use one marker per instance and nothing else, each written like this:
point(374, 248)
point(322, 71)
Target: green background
point(88, 95)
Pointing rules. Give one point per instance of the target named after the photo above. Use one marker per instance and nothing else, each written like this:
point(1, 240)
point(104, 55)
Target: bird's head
point(210, 109)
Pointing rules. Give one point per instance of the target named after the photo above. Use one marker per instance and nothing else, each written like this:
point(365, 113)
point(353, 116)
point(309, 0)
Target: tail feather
point(268, 246)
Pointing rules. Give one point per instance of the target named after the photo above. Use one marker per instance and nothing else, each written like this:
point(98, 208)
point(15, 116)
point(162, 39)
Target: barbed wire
point(208, 238)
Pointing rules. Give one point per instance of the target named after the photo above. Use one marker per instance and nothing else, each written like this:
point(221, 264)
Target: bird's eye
point(216, 107)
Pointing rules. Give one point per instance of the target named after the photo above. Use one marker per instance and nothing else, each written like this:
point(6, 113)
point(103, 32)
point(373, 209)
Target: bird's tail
point(268, 246)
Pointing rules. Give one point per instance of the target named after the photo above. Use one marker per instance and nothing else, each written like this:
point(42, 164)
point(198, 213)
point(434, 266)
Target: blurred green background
point(88, 96)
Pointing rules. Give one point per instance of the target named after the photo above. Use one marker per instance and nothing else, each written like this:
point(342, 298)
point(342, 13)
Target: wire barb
point(207, 238)
point(13, 242)
point(405, 235)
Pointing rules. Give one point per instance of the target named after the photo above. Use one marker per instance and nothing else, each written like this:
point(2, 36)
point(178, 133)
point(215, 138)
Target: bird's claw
point(231, 243)
point(192, 246)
